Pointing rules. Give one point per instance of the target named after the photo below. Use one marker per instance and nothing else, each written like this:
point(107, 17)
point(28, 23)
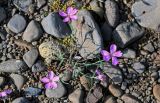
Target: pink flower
point(69, 15)
point(4, 93)
point(100, 75)
point(112, 55)
point(50, 80)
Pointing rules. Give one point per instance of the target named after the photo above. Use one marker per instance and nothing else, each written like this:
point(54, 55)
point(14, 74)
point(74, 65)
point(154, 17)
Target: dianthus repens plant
point(70, 60)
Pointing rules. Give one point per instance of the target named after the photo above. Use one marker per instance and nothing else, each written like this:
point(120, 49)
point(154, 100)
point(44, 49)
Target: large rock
point(33, 32)
point(77, 96)
point(30, 57)
point(22, 5)
point(113, 72)
point(13, 65)
point(147, 13)
point(111, 13)
point(129, 53)
point(127, 98)
point(54, 25)
point(18, 80)
point(39, 66)
point(17, 23)
point(89, 40)
point(127, 33)
point(31, 91)
point(58, 92)
point(2, 14)
point(21, 100)
point(110, 99)
point(156, 91)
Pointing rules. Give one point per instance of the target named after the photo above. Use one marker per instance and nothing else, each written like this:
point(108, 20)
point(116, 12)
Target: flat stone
point(127, 98)
point(13, 65)
point(41, 3)
point(30, 57)
point(115, 90)
point(54, 25)
point(85, 82)
point(156, 91)
point(77, 96)
point(139, 67)
point(110, 99)
point(88, 35)
point(147, 13)
point(149, 47)
point(31, 91)
point(18, 80)
point(39, 66)
point(94, 95)
point(17, 23)
point(21, 100)
point(59, 92)
point(126, 33)
point(22, 5)
point(2, 14)
point(111, 13)
point(113, 72)
point(33, 32)
point(129, 53)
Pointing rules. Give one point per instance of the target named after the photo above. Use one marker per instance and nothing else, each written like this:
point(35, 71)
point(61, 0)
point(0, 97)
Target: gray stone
point(39, 67)
point(124, 85)
point(30, 57)
point(77, 96)
point(110, 99)
point(138, 67)
point(31, 91)
point(129, 53)
point(54, 25)
point(113, 72)
point(106, 32)
point(17, 23)
point(127, 98)
point(33, 32)
point(88, 36)
point(149, 47)
point(41, 3)
point(127, 33)
point(154, 76)
point(2, 81)
point(58, 92)
point(22, 5)
point(67, 75)
point(21, 100)
point(147, 14)
point(115, 90)
point(13, 65)
point(18, 80)
point(2, 14)
point(111, 13)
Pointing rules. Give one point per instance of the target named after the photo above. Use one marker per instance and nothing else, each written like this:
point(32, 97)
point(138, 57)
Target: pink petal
point(56, 78)
point(106, 58)
point(69, 10)
point(105, 53)
point(48, 85)
point(50, 74)
point(8, 91)
point(117, 54)
point(74, 11)
point(3, 94)
point(45, 80)
point(98, 72)
point(61, 13)
point(74, 17)
point(54, 85)
point(114, 61)
point(113, 48)
point(67, 19)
